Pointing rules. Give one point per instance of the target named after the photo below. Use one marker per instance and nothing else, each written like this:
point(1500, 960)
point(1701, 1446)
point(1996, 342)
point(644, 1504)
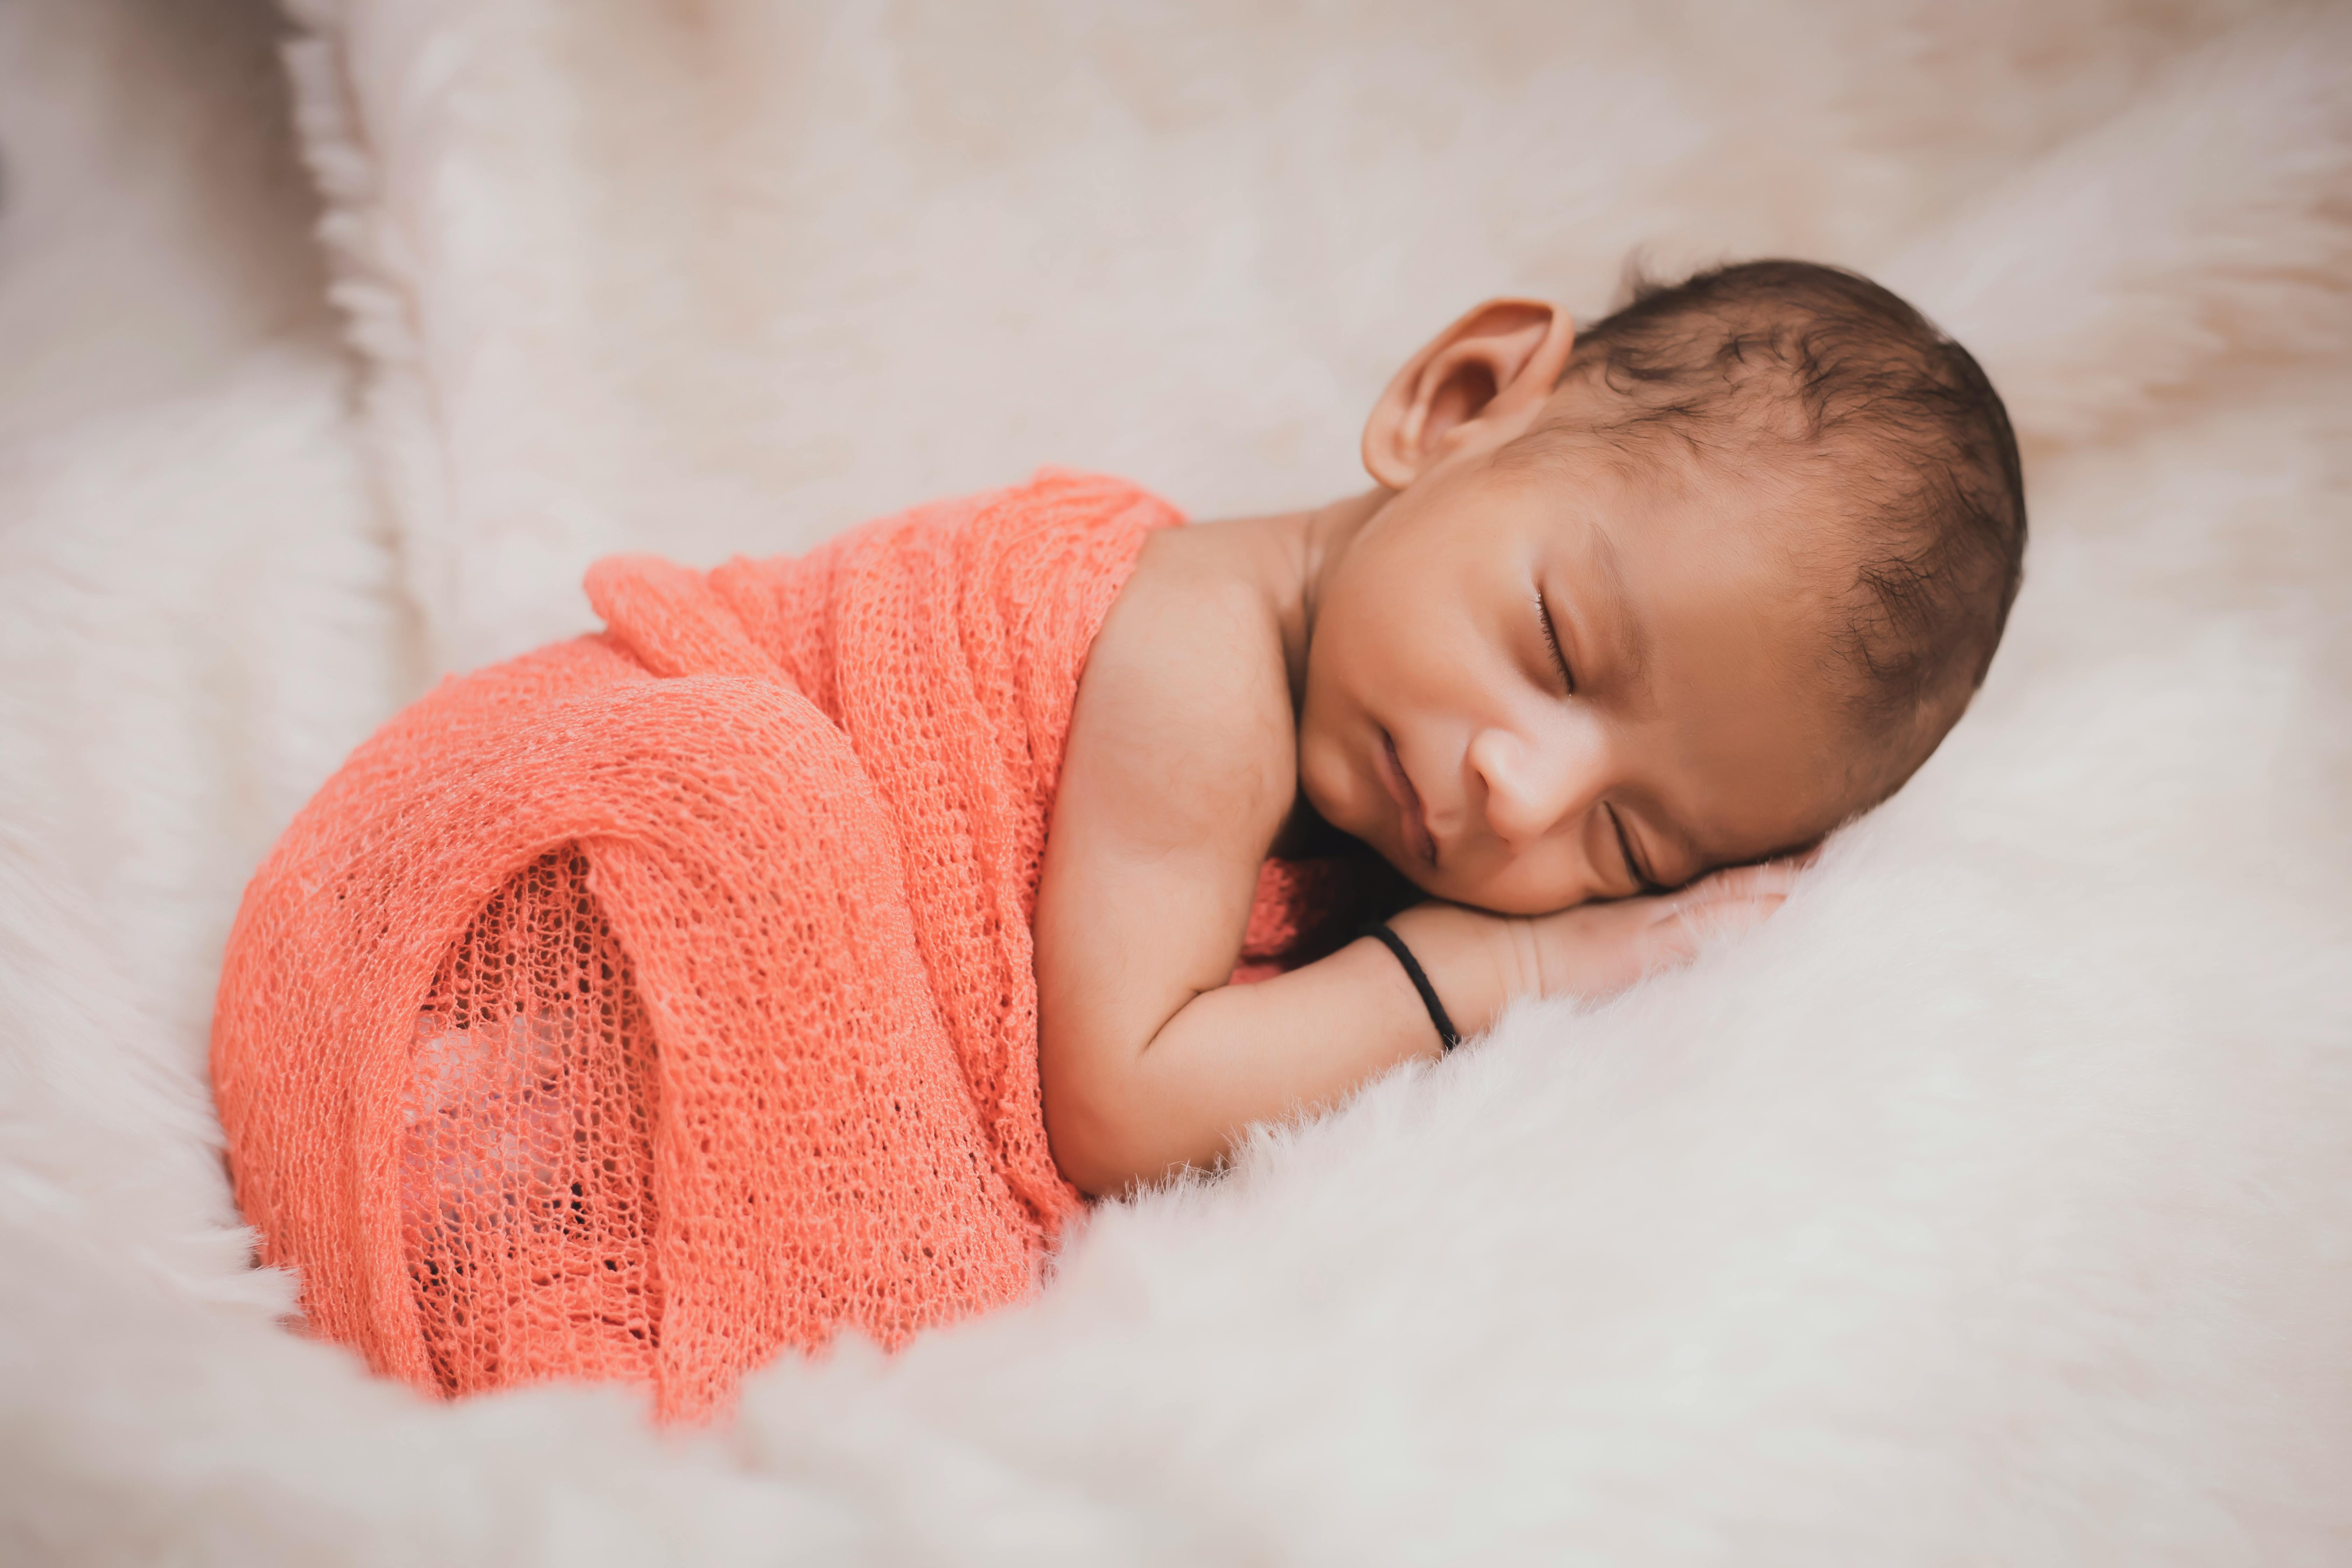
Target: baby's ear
point(1479, 384)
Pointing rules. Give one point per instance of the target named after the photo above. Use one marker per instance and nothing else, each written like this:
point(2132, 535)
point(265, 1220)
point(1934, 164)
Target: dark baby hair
point(1842, 372)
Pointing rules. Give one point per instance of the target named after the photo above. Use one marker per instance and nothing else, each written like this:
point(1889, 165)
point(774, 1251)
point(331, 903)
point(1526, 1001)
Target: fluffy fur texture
point(1991, 1203)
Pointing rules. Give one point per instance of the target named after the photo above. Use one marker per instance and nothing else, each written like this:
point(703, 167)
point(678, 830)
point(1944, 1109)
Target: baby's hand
point(1595, 950)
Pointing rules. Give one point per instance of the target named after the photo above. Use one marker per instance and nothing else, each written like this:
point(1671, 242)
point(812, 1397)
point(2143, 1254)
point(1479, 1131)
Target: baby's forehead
point(1690, 557)
point(1798, 514)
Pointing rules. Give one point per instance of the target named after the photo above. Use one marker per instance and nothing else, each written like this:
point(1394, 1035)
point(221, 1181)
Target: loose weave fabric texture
point(663, 998)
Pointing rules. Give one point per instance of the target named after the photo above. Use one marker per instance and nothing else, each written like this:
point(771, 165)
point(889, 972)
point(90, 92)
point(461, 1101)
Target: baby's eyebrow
point(1631, 637)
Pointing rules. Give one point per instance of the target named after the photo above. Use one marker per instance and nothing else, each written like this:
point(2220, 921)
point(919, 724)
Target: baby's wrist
point(1478, 963)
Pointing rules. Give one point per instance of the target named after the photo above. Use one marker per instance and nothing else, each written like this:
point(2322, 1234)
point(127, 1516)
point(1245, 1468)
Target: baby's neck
point(1285, 558)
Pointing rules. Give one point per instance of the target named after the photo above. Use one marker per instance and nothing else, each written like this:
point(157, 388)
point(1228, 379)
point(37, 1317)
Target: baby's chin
point(1411, 869)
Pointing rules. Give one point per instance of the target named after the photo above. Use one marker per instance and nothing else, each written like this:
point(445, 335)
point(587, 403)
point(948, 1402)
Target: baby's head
point(1683, 591)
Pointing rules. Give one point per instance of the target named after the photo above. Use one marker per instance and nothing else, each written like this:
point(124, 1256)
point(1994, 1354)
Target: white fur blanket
point(1993, 1204)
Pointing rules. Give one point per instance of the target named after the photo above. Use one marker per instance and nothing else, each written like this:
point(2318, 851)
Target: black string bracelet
point(1420, 978)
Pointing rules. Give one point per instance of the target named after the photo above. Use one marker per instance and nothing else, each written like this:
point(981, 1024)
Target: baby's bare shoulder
point(1184, 709)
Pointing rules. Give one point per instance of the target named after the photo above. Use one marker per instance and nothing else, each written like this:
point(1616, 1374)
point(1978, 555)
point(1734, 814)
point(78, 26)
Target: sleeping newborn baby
point(1677, 593)
point(791, 956)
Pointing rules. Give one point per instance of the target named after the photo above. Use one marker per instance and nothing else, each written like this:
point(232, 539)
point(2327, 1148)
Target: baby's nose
point(1532, 783)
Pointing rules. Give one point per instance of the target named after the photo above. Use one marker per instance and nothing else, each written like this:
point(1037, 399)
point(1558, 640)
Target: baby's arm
point(1177, 774)
point(1214, 1058)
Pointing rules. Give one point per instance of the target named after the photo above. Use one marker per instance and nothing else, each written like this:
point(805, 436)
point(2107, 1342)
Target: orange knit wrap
point(663, 998)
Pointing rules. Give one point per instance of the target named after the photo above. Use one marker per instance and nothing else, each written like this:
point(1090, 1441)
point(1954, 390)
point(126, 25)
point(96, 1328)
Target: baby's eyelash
point(1641, 879)
point(1551, 641)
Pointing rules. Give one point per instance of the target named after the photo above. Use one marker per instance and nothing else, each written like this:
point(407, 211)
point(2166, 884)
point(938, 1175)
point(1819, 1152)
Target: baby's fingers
point(1773, 879)
point(1728, 902)
point(1711, 920)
